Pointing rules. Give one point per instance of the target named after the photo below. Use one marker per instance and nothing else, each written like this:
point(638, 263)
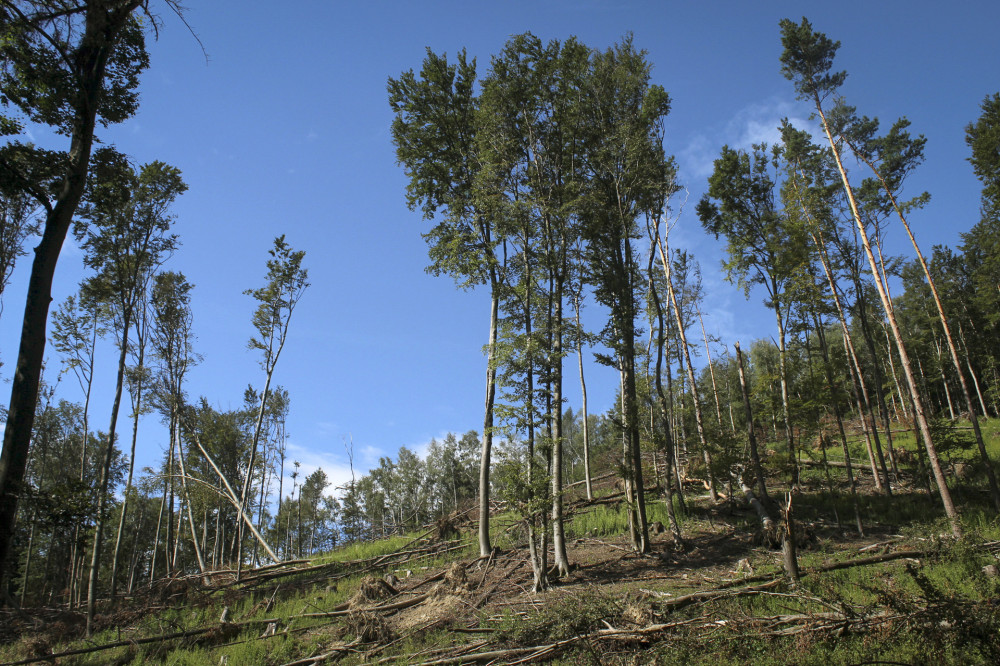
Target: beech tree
point(530, 147)
point(67, 70)
point(434, 131)
point(125, 239)
point(286, 281)
point(625, 168)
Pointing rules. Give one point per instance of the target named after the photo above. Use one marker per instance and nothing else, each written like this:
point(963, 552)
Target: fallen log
point(190, 633)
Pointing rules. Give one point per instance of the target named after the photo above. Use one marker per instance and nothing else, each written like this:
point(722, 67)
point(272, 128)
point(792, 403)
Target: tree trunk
point(668, 441)
point(248, 479)
point(27, 559)
point(690, 368)
point(943, 491)
point(102, 492)
point(156, 541)
point(101, 32)
point(711, 370)
point(176, 437)
point(944, 381)
point(484, 460)
point(785, 408)
point(632, 430)
point(137, 410)
point(758, 470)
point(561, 559)
point(583, 392)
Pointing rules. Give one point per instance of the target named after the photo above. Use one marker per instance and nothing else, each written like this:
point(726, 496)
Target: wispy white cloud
point(756, 123)
point(335, 465)
point(335, 461)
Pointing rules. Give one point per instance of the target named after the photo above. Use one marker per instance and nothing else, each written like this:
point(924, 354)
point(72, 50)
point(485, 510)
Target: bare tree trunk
point(27, 559)
point(583, 392)
point(972, 373)
point(136, 413)
point(943, 491)
point(668, 440)
point(102, 492)
point(944, 381)
point(711, 370)
point(758, 470)
point(561, 558)
point(628, 477)
point(670, 428)
point(176, 436)
point(134, 560)
point(699, 423)
point(785, 408)
point(484, 461)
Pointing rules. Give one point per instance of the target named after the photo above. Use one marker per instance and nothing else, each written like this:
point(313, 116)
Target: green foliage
point(983, 137)
point(285, 282)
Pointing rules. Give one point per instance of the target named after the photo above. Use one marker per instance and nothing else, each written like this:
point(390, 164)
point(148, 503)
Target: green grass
point(612, 519)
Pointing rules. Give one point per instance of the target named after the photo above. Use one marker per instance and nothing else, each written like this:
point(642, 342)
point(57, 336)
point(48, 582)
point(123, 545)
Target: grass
point(946, 602)
point(612, 519)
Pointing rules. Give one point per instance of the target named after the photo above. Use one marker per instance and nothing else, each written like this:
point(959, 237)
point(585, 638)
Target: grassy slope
point(938, 607)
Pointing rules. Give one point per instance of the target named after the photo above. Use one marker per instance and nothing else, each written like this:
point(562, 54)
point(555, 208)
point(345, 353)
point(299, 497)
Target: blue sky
point(284, 129)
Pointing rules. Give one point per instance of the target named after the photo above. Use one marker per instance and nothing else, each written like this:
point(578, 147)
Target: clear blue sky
point(284, 129)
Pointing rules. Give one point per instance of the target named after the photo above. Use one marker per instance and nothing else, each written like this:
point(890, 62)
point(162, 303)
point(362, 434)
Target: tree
point(286, 281)
point(66, 69)
point(625, 168)
point(981, 244)
point(125, 240)
point(434, 131)
point(983, 137)
point(763, 248)
point(806, 61)
point(170, 340)
point(530, 147)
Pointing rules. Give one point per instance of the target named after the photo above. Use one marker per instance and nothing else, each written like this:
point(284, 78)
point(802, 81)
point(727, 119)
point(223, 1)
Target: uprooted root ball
point(455, 581)
point(371, 591)
point(367, 627)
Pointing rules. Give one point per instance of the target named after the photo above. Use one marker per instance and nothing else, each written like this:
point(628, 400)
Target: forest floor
point(903, 593)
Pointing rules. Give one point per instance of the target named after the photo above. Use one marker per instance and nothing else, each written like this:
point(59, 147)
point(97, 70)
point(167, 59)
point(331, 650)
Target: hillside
point(899, 594)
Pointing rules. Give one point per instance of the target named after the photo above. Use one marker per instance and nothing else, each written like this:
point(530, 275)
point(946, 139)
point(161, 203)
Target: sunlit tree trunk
point(943, 491)
point(699, 423)
point(994, 489)
point(484, 460)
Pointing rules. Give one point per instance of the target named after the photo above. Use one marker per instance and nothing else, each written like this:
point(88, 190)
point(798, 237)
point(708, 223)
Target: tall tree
point(807, 61)
point(66, 69)
point(285, 282)
point(530, 140)
point(125, 239)
point(170, 342)
point(763, 248)
point(434, 131)
point(625, 168)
